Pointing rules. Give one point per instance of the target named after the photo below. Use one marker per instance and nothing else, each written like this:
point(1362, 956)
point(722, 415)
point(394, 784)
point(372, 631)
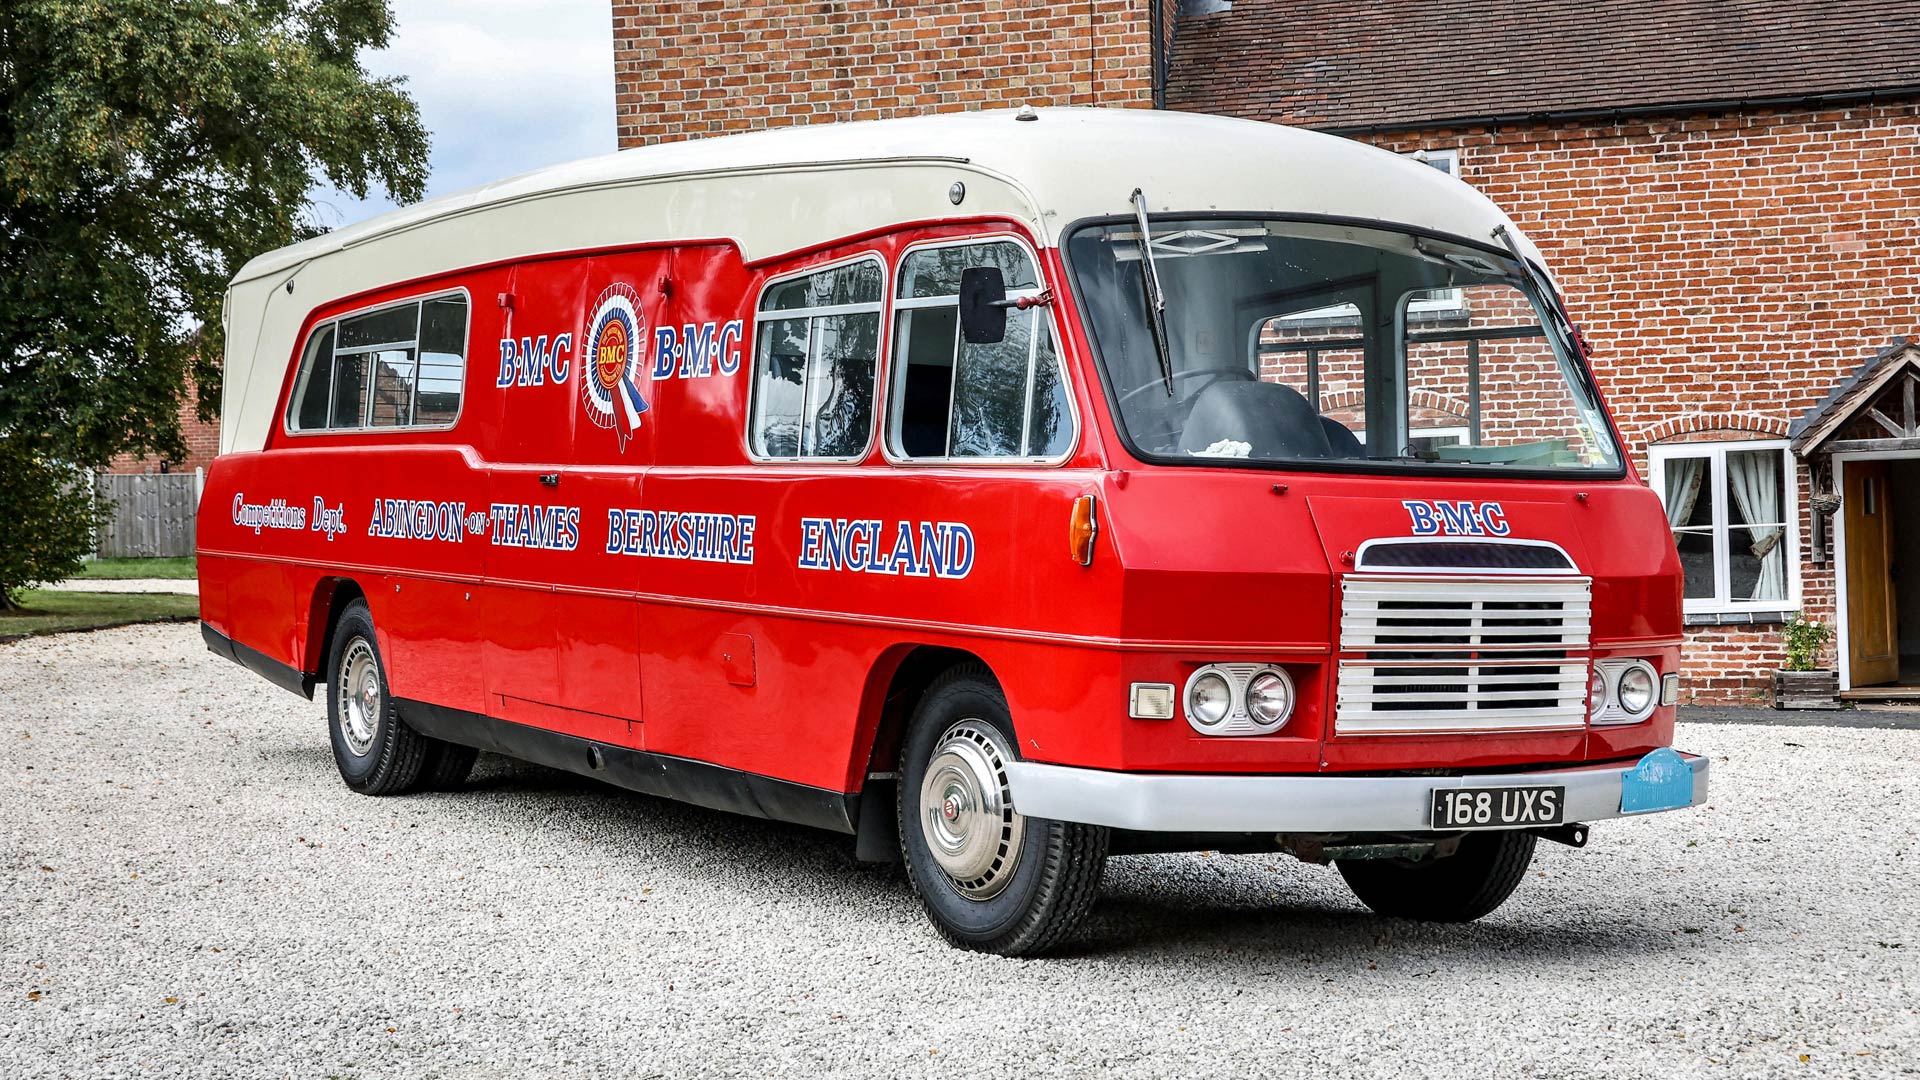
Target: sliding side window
point(399, 366)
point(952, 399)
point(817, 346)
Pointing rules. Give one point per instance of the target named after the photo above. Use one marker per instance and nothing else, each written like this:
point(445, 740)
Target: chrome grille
point(1427, 655)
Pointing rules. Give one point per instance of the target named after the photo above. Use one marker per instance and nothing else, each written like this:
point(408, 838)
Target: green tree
point(148, 148)
point(58, 504)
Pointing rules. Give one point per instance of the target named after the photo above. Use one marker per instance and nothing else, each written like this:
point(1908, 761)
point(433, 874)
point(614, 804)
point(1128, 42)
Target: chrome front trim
point(1216, 802)
point(1609, 711)
point(1424, 655)
point(1422, 613)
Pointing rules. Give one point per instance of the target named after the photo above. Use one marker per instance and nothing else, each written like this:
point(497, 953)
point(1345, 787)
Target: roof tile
point(1346, 64)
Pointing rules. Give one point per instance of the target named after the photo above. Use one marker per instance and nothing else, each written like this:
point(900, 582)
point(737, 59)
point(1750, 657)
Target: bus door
point(533, 525)
point(615, 414)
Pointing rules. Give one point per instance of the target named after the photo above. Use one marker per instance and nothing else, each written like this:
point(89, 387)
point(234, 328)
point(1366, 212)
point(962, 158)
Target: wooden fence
point(152, 514)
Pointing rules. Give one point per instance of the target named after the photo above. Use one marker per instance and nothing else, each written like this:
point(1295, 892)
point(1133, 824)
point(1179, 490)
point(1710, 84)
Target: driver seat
point(1274, 419)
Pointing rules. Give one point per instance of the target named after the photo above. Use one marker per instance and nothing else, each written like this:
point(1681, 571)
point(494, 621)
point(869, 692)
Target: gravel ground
point(170, 585)
point(189, 890)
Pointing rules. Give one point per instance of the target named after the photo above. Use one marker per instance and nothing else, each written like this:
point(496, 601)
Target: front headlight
point(1209, 698)
point(1624, 691)
point(1637, 691)
point(1270, 698)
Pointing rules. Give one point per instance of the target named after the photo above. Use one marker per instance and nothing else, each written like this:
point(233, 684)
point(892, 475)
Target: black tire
point(1045, 875)
point(1458, 888)
point(447, 765)
point(378, 754)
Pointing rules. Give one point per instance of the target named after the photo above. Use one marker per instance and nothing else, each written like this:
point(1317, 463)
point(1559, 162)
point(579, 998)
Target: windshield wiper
point(1562, 322)
point(1156, 300)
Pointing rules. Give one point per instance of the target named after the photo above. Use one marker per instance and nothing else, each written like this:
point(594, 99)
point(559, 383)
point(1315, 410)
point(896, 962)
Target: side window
point(400, 366)
point(443, 361)
point(815, 352)
point(951, 399)
point(314, 390)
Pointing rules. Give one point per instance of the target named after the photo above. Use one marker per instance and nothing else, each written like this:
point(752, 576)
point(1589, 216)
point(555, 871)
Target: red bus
point(1004, 490)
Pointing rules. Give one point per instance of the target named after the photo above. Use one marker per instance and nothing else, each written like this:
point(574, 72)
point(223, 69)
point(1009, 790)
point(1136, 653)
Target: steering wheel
point(1179, 377)
point(1167, 431)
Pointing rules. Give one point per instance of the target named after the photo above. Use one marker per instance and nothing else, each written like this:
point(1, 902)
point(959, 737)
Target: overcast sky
point(504, 86)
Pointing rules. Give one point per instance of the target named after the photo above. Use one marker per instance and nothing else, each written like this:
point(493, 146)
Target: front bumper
point(1160, 802)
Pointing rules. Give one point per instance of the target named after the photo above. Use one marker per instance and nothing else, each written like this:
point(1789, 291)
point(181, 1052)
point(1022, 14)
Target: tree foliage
point(62, 513)
point(148, 148)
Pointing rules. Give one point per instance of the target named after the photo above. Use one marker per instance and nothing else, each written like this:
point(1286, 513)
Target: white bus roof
point(773, 192)
point(1072, 163)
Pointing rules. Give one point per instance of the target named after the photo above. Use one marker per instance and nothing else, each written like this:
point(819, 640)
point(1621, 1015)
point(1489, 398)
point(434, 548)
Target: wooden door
point(1873, 635)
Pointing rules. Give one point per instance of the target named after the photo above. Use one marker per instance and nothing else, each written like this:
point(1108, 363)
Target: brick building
point(202, 439)
point(1728, 193)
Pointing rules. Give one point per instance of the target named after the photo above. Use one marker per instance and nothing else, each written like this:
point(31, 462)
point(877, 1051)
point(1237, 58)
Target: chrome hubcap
point(360, 701)
point(967, 815)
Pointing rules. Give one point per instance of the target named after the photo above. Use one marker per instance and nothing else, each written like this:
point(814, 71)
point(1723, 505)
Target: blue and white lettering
point(729, 347)
point(269, 515)
point(534, 362)
point(669, 534)
point(1424, 523)
point(697, 342)
point(1495, 518)
point(665, 348)
point(917, 549)
point(329, 520)
point(509, 356)
point(551, 528)
point(1457, 518)
point(418, 519)
point(697, 350)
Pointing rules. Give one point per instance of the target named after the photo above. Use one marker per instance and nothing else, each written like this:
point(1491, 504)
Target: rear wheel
point(1458, 888)
point(378, 754)
point(991, 879)
point(447, 765)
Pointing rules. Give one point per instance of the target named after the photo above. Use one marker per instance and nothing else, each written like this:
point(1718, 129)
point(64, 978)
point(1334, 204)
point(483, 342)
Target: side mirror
point(983, 305)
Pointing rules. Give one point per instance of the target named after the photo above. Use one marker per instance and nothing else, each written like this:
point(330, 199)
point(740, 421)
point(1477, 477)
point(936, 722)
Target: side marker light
point(1082, 527)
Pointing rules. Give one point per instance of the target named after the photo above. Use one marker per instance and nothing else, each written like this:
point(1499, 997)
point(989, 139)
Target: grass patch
point(122, 569)
point(47, 612)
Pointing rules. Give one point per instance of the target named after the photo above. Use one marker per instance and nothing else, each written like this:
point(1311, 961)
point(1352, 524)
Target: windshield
point(1303, 342)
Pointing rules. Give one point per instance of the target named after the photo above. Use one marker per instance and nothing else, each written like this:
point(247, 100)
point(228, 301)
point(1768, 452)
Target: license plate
point(1497, 808)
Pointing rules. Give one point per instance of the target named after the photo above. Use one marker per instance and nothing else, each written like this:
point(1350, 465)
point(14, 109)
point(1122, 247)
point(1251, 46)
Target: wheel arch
point(331, 595)
point(897, 681)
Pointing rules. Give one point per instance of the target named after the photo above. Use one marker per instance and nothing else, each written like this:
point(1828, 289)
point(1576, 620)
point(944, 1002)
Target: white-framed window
point(1732, 507)
point(952, 400)
point(815, 352)
point(398, 365)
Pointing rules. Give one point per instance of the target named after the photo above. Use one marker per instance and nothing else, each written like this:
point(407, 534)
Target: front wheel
point(1458, 888)
point(991, 879)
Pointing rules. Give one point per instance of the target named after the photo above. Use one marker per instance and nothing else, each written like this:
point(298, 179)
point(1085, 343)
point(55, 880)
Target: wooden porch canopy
point(1875, 408)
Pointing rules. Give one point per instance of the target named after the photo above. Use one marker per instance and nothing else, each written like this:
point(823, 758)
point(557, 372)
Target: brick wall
point(1728, 271)
point(202, 439)
point(714, 66)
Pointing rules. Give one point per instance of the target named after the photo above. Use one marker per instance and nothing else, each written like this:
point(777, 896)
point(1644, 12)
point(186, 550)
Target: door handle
point(550, 479)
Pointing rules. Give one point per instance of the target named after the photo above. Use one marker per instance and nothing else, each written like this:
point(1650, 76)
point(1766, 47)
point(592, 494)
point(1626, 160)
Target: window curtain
point(1683, 488)
point(1754, 479)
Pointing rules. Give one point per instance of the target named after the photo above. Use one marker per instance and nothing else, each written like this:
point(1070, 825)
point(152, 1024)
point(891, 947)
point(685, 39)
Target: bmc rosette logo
point(610, 378)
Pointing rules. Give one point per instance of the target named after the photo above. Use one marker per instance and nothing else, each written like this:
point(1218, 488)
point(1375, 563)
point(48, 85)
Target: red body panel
point(763, 665)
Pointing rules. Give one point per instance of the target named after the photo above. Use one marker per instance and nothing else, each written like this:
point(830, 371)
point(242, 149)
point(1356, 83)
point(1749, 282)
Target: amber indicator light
point(1081, 529)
